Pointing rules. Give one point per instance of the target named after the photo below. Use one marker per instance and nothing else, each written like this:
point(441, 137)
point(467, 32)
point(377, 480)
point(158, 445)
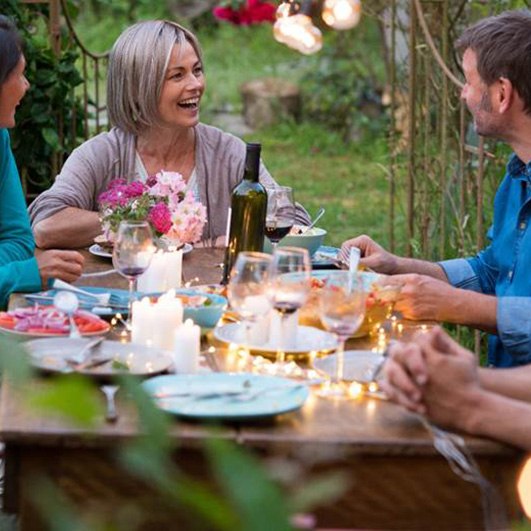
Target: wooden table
point(397, 479)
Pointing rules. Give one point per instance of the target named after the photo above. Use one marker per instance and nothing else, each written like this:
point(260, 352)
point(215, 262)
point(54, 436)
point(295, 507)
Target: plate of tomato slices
point(46, 321)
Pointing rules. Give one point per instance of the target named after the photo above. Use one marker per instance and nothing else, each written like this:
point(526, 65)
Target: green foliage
point(343, 89)
point(46, 118)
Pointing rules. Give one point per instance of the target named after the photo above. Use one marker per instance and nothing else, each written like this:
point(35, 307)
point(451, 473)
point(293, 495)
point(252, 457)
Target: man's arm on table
point(70, 228)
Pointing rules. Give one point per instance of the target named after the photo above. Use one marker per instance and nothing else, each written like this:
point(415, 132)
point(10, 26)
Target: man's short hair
point(502, 45)
point(10, 48)
point(137, 68)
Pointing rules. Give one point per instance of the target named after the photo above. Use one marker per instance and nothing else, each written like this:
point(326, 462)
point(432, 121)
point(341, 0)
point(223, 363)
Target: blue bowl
point(204, 316)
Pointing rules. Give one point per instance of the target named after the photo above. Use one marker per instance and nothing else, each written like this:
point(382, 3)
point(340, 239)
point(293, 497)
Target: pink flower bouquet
point(174, 215)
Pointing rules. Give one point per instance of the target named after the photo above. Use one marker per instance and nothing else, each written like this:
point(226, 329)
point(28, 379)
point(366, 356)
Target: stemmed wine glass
point(132, 253)
point(247, 289)
point(289, 285)
point(280, 215)
point(342, 309)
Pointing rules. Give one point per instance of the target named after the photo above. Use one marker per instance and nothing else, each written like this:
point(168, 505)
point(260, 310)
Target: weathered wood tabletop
point(398, 480)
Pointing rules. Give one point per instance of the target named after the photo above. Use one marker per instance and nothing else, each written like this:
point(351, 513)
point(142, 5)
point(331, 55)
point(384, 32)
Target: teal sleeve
point(18, 267)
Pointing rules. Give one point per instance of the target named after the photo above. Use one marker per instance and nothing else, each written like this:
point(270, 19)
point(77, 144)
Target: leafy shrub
point(49, 122)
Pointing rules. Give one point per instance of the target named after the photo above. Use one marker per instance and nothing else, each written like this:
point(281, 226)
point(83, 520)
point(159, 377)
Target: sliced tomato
point(6, 320)
point(51, 331)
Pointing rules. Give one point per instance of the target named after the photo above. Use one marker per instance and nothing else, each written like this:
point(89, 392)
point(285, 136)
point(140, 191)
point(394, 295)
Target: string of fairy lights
point(295, 28)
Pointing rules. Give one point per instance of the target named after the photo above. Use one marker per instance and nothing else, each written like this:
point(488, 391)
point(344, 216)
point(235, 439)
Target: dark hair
point(10, 48)
point(502, 45)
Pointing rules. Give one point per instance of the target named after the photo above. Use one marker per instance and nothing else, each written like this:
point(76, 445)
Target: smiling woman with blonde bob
point(154, 90)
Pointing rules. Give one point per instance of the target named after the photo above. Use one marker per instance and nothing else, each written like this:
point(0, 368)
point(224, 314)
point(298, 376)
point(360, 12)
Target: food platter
point(39, 321)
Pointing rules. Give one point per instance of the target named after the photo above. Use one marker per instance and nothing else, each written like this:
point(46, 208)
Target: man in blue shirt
point(491, 291)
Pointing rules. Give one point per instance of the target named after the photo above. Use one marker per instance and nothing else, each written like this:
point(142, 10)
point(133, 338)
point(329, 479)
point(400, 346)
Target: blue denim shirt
point(504, 268)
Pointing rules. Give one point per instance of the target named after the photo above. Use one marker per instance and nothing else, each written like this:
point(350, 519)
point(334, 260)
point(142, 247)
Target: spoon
point(68, 303)
point(319, 215)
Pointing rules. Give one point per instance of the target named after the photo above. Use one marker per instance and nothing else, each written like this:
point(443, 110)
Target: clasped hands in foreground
point(436, 377)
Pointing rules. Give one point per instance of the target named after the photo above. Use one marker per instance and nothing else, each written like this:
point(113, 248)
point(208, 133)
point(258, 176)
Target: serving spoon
point(319, 215)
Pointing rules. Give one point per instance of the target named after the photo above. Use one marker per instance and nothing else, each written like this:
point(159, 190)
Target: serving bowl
point(311, 239)
point(381, 298)
point(207, 314)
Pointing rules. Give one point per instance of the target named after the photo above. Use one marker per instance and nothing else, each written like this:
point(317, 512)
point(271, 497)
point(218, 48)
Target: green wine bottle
point(247, 212)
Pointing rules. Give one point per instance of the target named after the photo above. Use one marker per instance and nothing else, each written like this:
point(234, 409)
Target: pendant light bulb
point(286, 9)
point(341, 14)
point(299, 33)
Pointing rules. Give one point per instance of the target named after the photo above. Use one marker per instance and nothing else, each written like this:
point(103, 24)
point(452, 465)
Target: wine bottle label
point(227, 231)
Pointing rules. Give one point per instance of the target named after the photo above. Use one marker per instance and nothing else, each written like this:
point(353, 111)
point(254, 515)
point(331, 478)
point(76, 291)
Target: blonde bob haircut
point(137, 68)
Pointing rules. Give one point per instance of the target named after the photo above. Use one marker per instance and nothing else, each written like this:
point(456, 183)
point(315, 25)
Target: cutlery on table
point(111, 414)
point(238, 395)
point(46, 298)
point(102, 298)
point(85, 351)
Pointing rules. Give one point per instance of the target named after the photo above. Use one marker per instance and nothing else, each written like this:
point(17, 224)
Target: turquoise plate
point(325, 257)
point(284, 396)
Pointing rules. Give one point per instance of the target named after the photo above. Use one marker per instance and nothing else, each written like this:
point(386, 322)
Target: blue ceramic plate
point(324, 257)
point(284, 395)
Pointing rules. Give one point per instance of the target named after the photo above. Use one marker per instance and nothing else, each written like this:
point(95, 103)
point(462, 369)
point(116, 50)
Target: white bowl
point(311, 240)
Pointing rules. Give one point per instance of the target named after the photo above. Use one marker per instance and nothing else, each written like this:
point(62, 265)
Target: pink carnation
point(160, 217)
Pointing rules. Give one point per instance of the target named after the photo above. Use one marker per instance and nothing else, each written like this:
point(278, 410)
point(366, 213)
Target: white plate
point(308, 339)
point(284, 395)
point(98, 250)
point(49, 355)
point(358, 364)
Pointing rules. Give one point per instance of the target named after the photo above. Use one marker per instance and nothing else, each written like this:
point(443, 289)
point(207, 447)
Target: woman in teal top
point(20, 269)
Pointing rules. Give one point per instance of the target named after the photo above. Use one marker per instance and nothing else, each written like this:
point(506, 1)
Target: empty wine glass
point(132, 253)
point(247, 289)
point(289, 286)
point(280, 215)
point(342, 309)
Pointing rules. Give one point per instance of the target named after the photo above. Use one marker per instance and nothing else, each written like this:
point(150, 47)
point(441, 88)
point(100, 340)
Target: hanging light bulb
point(286, 9)
point(341, 14)
point(298, 31)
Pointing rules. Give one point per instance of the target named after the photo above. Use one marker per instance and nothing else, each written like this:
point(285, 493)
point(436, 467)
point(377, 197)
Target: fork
point(111, 415)
point(103, 298)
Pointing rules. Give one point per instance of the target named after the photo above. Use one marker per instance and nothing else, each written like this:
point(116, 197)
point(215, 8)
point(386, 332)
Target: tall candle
point(142, 321)
point(167, 317)
point(283, 331)
point(155, 323)
point(186, 349)
point(163, 273)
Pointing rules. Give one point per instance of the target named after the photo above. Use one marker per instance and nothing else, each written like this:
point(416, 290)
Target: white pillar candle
point(174, 268)
point(153, 279)
point(283, 331)
point(186, 349)
point(167, 317)
point(142, 321)
point(164, 272)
